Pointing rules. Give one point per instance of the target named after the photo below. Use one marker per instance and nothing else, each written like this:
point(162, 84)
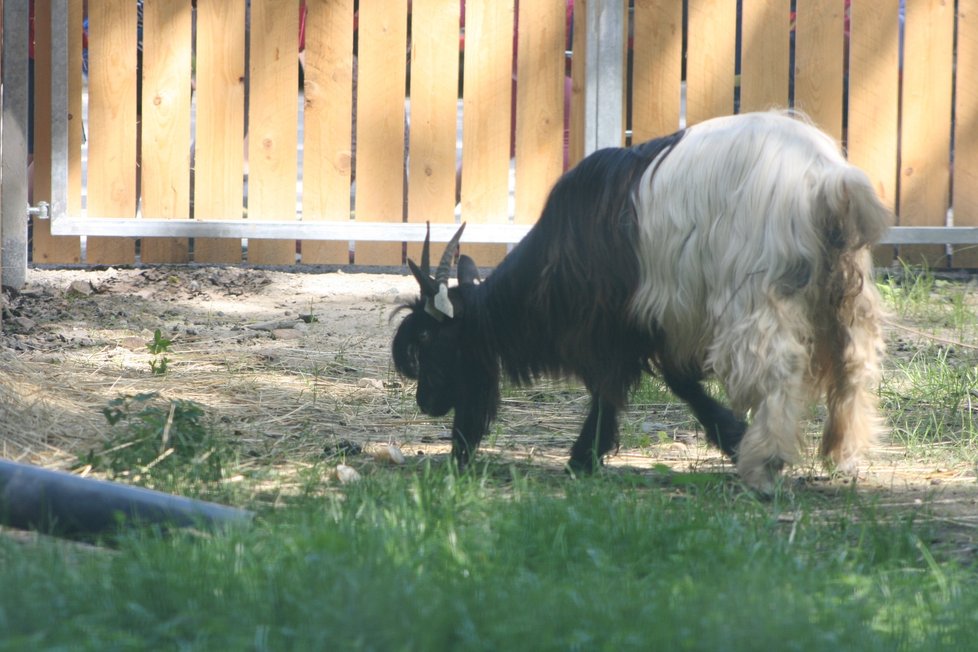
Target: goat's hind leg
point(763, 364)
point(598, 436)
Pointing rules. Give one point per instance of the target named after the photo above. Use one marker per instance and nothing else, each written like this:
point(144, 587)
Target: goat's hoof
point(762, 478)
point(575, 467)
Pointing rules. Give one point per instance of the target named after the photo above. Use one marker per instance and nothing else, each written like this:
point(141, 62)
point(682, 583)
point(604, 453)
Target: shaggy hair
point(736, 248)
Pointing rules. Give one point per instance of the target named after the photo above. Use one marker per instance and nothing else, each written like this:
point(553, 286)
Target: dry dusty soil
point(295, 366)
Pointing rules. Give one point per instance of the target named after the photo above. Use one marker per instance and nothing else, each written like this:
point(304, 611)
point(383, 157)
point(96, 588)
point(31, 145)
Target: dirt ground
point(294, 365)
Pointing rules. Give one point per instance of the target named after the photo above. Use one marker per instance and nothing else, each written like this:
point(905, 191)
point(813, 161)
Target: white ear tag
point(442, 303)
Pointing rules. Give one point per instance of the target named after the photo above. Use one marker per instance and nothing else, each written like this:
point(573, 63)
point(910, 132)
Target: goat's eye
point(425, 337)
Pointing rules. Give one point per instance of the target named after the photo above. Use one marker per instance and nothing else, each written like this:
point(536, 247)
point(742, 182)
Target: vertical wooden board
point(273, 123)
point(328, 132)
point(165, 166)
point(46, 248)
point(219, 140)
point(710, 54)
point(381, 78)
point(656, 68)
point(111, 124)
point(434, 110)
point(965, 199)
point(488, 88)
point(926, 122)
point(539, 104)
point(874, 75)
point(819, 62)
point(578, 51)
point(764, 59)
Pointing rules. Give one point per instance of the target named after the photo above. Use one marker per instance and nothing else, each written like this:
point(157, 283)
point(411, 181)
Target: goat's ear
point(468, 272)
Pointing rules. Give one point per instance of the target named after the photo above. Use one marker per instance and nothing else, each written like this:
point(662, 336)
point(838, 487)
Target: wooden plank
point(486, 132)
point(219, 143)
point(328, 123)
point(578, 51)
point(165, 123)
point(273, 123)
point(764, 59)
point(111, 124)
point(710, 59)
point(926, 122)
point(47, 248)
point(656, 68)
point(539, 104)
point(819, 62)
point(965, 196)
point(434, 102)
point(381, 78)
point(874, 78)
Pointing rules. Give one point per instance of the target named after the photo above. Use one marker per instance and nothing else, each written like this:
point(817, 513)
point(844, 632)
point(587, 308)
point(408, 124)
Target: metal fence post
point(604, 75)
point(13, 146)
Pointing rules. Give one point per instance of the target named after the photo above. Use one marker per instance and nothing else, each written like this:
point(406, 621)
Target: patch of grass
point(427, 560)
point(164, 445)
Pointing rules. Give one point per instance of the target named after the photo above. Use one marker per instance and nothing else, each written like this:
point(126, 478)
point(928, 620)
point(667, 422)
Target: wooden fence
point(204, 122)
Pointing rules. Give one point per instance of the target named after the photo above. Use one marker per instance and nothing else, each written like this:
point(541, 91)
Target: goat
point(736, 248)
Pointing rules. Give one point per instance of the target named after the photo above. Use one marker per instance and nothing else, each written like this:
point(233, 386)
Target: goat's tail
point(854, 215)
point(847, 314)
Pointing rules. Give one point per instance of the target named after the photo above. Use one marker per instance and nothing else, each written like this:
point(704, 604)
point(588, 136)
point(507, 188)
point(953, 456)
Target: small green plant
point(159, 347)
point(159, 443)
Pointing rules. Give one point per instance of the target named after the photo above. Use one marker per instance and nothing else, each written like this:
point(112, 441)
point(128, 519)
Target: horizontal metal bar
point(933, 235)
point(394, 231)
point(284, 230)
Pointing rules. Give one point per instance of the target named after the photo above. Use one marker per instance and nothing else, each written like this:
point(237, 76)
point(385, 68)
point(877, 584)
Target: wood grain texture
point(328, 132)
point(926, 122)
point(273, 123)
point(486, 119)
point(819, 62)
point(539, 105)
point(965, 198)
point(765, 63)
point(111, 124)
point(219, 138)
point(874, 78)
point(434, 109)
point(578, 51)
point(656, 68)
point(165, 166)
point(711, 51)
point(381, 79)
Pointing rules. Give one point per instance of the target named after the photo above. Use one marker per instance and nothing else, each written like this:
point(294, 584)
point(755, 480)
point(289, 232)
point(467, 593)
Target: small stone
point(23, 324)
point(286, 334)
point(81, 288)
point(370, 383)
point(346, 474)
point(390, 454)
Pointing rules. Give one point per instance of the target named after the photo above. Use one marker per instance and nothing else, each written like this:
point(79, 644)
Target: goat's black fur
point(557, 305)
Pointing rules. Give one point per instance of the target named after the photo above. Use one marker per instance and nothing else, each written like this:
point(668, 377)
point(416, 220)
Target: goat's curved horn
point(445, 266)
point(425, 251)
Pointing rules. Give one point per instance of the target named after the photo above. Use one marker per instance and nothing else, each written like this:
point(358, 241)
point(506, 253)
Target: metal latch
point(41, 211)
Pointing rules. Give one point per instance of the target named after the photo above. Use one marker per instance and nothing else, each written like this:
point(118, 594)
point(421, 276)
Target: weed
point(159, 443)
point(159, 347)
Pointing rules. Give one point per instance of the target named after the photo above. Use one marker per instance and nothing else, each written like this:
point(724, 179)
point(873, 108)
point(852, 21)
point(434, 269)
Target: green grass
point(522, 557)
point(498, 559)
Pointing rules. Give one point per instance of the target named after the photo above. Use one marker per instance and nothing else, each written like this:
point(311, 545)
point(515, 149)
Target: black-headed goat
point(738, 248)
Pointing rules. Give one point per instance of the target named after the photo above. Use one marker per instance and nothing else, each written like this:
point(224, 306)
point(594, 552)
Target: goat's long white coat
point(755, 266)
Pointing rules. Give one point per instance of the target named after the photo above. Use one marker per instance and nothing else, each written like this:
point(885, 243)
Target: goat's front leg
point(598, 436)
point(723, 429)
